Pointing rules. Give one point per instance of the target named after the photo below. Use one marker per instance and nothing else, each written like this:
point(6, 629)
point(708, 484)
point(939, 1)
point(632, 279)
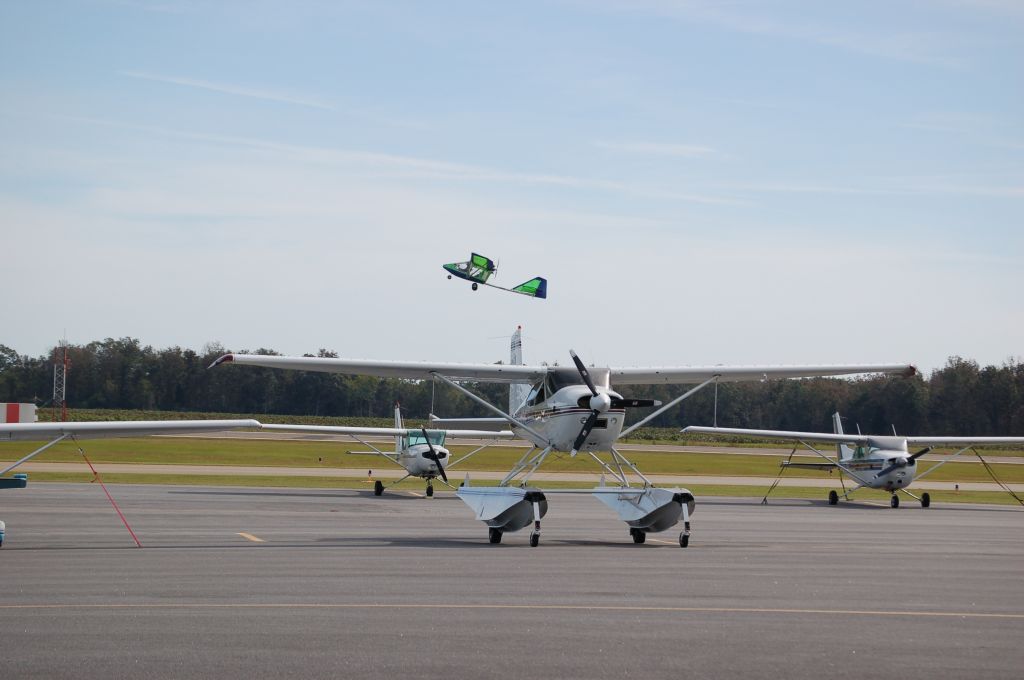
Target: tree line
point(960, 398)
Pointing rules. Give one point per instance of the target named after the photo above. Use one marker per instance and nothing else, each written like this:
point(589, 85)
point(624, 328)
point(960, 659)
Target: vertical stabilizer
point(843, 452)
point(398, 426)
point(516, 392)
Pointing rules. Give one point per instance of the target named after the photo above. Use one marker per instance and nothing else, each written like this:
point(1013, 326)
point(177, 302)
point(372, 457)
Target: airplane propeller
point(599, 403)
point(902, 462)
point(433, 456)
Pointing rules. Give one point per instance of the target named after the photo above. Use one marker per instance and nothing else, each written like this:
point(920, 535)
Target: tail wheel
point(926, 500)
point(833, 498)
point(378, 488)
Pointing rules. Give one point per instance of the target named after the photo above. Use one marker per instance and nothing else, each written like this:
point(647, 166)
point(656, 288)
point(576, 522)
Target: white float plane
point(420, 452)
point(871, 461)
point(566, 410)
point(54, 433)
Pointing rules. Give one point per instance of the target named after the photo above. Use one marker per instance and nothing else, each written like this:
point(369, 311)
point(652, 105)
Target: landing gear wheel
point(449, 277)
point(833, 498)
point(430, 490)
point(639, 535)
point(894, 502)
point(475, 286)
point(534, 539)
point(684, 539)
point(378, 488)
point(926, 500)
point(494, 535)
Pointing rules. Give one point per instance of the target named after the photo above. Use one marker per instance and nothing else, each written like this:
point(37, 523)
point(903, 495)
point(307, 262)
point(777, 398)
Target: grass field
point(291, 453)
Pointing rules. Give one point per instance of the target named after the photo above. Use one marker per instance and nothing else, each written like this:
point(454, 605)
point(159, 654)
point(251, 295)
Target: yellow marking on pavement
point(254, 539)
point(534, 607)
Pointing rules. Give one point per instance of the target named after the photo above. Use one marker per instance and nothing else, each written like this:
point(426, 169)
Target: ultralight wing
point(111, 429)
point(820, 437)
point(698, 374)
point(387, 431)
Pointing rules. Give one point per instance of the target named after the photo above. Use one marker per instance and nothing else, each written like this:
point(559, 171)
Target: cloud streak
point(235, 90)
point(657, 149)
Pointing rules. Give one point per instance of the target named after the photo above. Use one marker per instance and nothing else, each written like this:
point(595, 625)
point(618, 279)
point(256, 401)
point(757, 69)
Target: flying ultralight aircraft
point(480, 270)
point(566, 410)
point(872, 461)
point(54, 433)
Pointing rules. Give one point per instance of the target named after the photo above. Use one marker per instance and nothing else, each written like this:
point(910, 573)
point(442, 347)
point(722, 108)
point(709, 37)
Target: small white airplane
point(54, 433)
point(420, 452)
point(566, 410)
point(872, 461)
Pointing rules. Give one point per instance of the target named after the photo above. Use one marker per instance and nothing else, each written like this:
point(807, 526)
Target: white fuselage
point(880, 454)
point(413, 460)
point(558, 406)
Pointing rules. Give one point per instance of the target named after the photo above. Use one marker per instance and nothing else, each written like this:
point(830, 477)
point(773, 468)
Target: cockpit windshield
point(563, 377)
point(416, 437)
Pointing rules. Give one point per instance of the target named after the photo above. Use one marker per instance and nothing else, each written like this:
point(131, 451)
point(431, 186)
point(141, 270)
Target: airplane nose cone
point(600, 402)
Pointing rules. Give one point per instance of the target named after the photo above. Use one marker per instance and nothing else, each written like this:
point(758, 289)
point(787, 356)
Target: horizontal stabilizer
point(536, 287)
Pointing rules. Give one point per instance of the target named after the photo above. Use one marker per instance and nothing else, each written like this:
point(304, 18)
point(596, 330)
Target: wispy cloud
point(222, 88)
point(398, 166)
point(657, 149)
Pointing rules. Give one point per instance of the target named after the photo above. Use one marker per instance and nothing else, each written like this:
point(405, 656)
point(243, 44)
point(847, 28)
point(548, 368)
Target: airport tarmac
point(252, 582)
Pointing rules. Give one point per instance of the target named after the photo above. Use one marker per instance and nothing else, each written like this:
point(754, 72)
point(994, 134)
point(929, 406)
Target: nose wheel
point(430, 490)
point(894, 502)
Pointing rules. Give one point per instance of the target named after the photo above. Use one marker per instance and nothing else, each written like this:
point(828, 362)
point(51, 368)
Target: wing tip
point(221, 360)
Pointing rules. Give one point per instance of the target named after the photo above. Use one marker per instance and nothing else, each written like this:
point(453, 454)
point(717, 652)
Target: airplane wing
point(424, 370)
point(698, 374)
point(417, 370)
point(820, 437)
point(964, 441)
point(110, 429)
point(387, 431)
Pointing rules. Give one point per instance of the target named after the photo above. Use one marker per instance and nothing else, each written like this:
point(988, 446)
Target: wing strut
point(483, 402)
point(669, 405)
point(782, 471)
point(33, 454)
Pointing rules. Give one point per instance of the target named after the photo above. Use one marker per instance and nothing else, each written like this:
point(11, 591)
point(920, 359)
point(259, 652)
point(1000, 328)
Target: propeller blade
point(433, 456)
point(920, 453)
point(634, 403)
point(584, 373)
point(581, 439)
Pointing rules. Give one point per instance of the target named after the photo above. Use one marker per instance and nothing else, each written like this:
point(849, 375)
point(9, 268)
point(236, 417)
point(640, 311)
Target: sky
point(749, 182)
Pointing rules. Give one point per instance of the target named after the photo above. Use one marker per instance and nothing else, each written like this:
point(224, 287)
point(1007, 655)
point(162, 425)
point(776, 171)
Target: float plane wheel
point(475, 286)
point(639, 535)
point(926, 500)
point(430, 490)
point(894, 502)
point(833, 498)
point(684, 539)
point(378, 488)
point(494, 535)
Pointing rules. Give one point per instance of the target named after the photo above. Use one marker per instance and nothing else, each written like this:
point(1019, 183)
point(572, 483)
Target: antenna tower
point(61, 364)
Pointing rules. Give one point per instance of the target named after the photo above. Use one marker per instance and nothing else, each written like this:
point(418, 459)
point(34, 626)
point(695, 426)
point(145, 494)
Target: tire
point(894, 502)
point(494, 535)
point(449, 277)
point(926, 500)
point(378, 488)
point(475, 286)
point(639, 536)
point(430, 490)
point(833, 498)
point(534, 539)
point(684, 540)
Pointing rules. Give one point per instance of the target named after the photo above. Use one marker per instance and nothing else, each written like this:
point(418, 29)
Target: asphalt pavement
point(251, 582)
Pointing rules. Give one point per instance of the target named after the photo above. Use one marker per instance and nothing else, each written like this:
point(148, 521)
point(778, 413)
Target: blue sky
point(702, 182)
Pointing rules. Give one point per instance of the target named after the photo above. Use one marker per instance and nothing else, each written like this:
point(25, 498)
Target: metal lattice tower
point(60, 379)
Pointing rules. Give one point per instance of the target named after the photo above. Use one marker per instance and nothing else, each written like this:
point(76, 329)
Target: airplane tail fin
point(516, 392)
point(536, 287)
point(843, 452)
point(398, 426)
